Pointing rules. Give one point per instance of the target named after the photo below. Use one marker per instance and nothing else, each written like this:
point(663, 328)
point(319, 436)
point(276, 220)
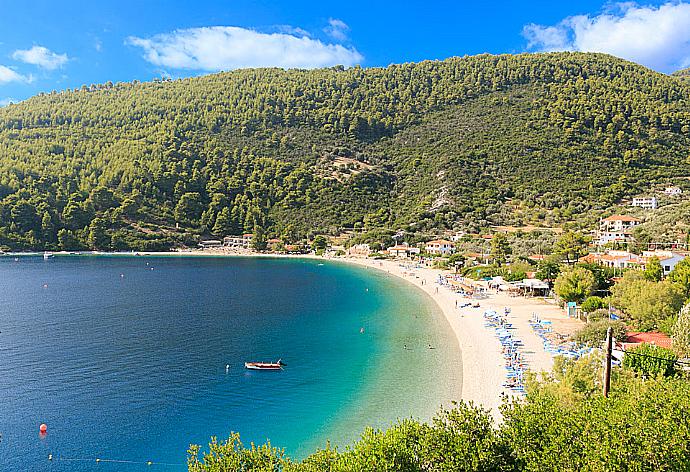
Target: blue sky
point(47, 45)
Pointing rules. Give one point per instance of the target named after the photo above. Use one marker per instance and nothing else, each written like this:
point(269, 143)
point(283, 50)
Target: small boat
point(264, 365)
point(47, 255)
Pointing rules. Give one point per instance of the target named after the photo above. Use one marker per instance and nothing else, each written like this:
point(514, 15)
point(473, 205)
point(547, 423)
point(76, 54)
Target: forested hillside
point(465, 142)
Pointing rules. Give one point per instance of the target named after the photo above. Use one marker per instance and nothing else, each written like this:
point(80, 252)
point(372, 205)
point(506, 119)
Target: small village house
point(403, 250)
point(668, 259)
point(673, 191)
point(648, 203)
point(617, 228)
point(627, 260)
point(635, 338)
point(440, 247)
point(361, 250)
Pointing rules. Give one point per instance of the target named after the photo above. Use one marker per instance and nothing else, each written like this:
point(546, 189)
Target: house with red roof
point(635, 338)
point(617, 228)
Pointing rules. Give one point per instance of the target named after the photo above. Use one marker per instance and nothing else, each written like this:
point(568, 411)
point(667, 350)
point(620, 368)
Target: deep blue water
point(124, 357)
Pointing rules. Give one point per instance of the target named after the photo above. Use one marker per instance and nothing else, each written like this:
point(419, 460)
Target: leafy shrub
point(593, 303)
point(593, 334)
point(650, 360)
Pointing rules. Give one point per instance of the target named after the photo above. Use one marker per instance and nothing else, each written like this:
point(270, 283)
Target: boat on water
point(264, 365)
point(48, 255)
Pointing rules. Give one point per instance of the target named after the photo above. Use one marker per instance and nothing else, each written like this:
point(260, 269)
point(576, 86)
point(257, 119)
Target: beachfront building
point(440, 247)
point(361, 250)
point(403, 250)
point(210, 243)
point(648, 203)
point(673, 191)
point(617, 228)
point(238, 242)
point(615, 260)
point(627, 260)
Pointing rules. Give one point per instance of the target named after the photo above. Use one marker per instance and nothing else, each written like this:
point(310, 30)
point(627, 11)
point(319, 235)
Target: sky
point(47, 45)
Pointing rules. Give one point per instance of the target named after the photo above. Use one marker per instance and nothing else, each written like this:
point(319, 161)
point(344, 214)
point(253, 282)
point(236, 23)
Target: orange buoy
point(43, 428)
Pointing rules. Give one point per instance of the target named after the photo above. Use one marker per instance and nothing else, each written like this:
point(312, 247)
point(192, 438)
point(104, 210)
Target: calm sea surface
point(124, 357)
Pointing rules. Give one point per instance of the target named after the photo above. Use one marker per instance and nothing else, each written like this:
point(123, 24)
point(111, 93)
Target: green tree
point(651, 360)
point(681, 333)
point(189, 208)
point(102, 198)
point(574, 284)
point(98, 237)
point(67, 241)
point(500, 248)
point(593, 303)
point(223, 225)
point(593, 334)
point(680, 276)
point(320, 243)
point(570, 246)
point(548, 269)
point(259, 242)
point(653, 270)
point(646, 304)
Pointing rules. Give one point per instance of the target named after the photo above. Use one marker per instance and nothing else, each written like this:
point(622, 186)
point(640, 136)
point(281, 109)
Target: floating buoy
point(43, 428)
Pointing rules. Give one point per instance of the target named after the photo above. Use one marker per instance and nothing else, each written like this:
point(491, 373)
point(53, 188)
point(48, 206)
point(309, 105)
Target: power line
point(673, 361)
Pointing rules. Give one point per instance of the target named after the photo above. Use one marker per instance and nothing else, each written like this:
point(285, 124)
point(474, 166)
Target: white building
point(617, 228)
point(209, 243)
point(440, 247)
point(673, 191)
point(668, 259)
point(359, 250)
point(457, 236)
point(403, 250)
point(238, 242)
point(648, 203)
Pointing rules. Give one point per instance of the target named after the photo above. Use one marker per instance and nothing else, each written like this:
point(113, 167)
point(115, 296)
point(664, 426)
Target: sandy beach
point(483, 365)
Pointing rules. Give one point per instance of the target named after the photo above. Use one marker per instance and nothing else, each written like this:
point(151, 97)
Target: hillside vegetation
point(468, 142)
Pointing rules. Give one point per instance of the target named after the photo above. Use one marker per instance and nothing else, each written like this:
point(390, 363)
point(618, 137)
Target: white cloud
point(337, 29)
point(8, 75)
point(6, 101)
point(657, 37)
point(41, 57)
point(228, 47)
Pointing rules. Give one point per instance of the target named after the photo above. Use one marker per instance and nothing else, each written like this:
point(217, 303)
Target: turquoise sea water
point(124, 357)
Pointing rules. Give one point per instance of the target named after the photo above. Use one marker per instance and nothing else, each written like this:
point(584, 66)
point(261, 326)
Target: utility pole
point(607, 362)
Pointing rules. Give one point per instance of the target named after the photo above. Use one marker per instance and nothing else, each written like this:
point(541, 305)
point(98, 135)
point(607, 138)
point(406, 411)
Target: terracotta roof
point(621, 218)
point(440, 241)
point(590, 258)
point(658, 339)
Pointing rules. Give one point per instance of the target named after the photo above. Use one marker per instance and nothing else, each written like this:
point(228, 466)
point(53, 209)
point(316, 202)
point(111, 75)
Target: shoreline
point(483, 366)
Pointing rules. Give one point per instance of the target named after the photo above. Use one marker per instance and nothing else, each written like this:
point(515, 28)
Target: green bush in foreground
point(651, 360)
point(563, 424)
